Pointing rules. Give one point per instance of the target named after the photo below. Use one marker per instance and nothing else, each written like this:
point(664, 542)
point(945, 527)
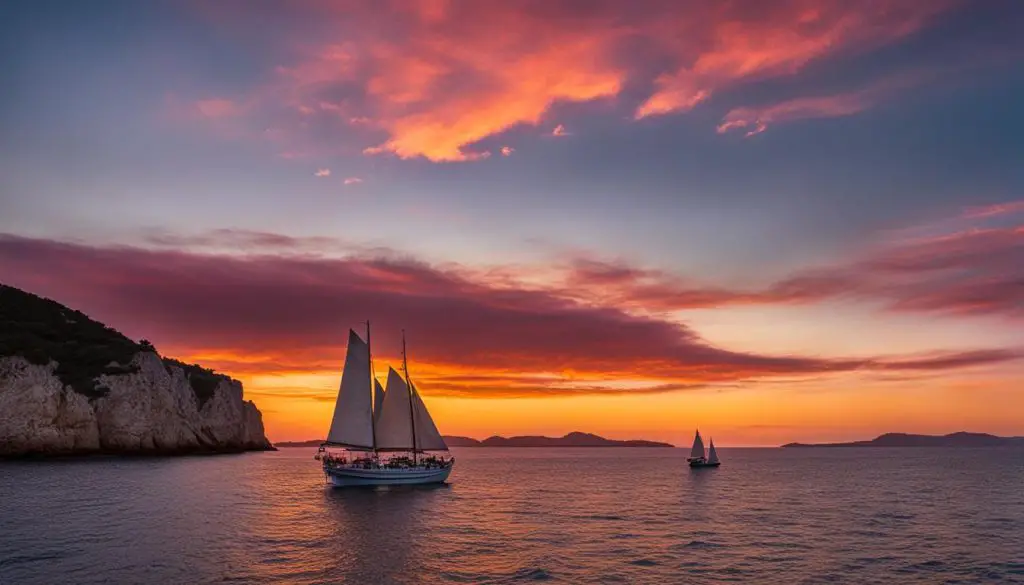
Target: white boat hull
point(354, 476)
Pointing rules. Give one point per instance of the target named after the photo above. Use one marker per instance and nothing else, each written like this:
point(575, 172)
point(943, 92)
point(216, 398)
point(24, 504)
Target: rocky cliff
point(55, 399)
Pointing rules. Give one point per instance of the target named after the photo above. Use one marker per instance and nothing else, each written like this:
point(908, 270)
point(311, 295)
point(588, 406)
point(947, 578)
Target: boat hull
point(704, 464)
point(352, 476)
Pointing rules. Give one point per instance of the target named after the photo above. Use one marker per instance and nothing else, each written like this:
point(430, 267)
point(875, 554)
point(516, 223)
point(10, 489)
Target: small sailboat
point(387, 436)
point(697, 456)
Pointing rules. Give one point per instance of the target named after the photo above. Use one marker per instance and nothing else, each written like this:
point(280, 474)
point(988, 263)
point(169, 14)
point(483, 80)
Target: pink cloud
point(218, 108)
point(757, 119)
point(779, 39)
point(352, 180)
point(322, 173)
point(301, 302)
point(226, 240)
point(998, 209)
point(433, 80)
point(559, 131)
point(507, 150)
point(972, 272)
point(273, 309)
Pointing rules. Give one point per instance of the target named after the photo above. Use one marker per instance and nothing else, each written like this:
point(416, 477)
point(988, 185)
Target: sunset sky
point(777, 221)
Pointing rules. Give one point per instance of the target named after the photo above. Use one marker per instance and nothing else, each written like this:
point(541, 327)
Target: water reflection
point(513, 516)
point(375, 531)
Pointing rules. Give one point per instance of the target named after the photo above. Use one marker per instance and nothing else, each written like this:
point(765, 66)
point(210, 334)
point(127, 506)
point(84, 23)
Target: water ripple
point(520, 516)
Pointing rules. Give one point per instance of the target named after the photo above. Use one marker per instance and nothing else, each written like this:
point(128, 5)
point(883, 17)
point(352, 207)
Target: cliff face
point(69, 384)
point(154, 409)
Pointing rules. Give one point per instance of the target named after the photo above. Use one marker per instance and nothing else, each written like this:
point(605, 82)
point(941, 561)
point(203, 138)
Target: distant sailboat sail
point(428, 438)
point(712, 454)
point(378, 398)
point(698, 458)
point(352, 425)
point(394, 424)
point(697, 451)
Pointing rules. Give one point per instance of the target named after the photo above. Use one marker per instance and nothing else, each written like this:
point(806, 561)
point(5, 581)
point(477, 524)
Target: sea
point(508, 515)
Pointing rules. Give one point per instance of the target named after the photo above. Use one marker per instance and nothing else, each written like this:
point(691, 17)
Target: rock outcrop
point(153, 410)
point(61, 393)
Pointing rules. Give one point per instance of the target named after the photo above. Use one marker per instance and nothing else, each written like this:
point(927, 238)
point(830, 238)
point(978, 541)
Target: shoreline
point(135, 454)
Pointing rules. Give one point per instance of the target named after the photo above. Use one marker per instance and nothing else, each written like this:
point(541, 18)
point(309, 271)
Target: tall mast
point(373, 423)
point(412, 416)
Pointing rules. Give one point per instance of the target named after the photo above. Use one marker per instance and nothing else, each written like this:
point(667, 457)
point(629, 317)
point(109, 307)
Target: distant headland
point(70, 385)
point(961, 439)
point(575, 439)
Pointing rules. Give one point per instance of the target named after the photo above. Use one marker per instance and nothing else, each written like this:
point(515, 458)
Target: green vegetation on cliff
point(41, 331)
point(203, 381)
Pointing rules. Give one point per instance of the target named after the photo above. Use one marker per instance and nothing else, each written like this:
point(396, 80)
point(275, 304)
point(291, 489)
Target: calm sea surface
point(523, 516)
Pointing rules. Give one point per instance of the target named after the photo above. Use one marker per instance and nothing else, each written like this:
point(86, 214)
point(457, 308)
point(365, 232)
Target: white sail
point(697, 451)
point(378, 398)
point(428, 438)
point(712, 454)
point(394, 424)
point(352, 425)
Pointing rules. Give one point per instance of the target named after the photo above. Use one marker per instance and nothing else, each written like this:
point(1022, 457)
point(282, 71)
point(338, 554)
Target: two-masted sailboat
point(697, 456)
point(386, 436)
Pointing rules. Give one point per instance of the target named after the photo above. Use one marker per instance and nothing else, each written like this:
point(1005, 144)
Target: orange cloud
point(520, 90)
point(434, 79)
point(780, 39)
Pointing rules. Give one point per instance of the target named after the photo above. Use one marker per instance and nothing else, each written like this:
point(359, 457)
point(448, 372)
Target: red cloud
point(434, 79)
point(274, 309)
point(304, 302)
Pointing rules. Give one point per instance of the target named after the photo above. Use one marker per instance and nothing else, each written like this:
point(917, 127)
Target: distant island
point(961, 439)
point(70, 385)
point(309, 443)
point(575, 439)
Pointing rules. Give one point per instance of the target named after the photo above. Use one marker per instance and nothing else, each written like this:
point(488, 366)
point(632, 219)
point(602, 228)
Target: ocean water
point(523, 516)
